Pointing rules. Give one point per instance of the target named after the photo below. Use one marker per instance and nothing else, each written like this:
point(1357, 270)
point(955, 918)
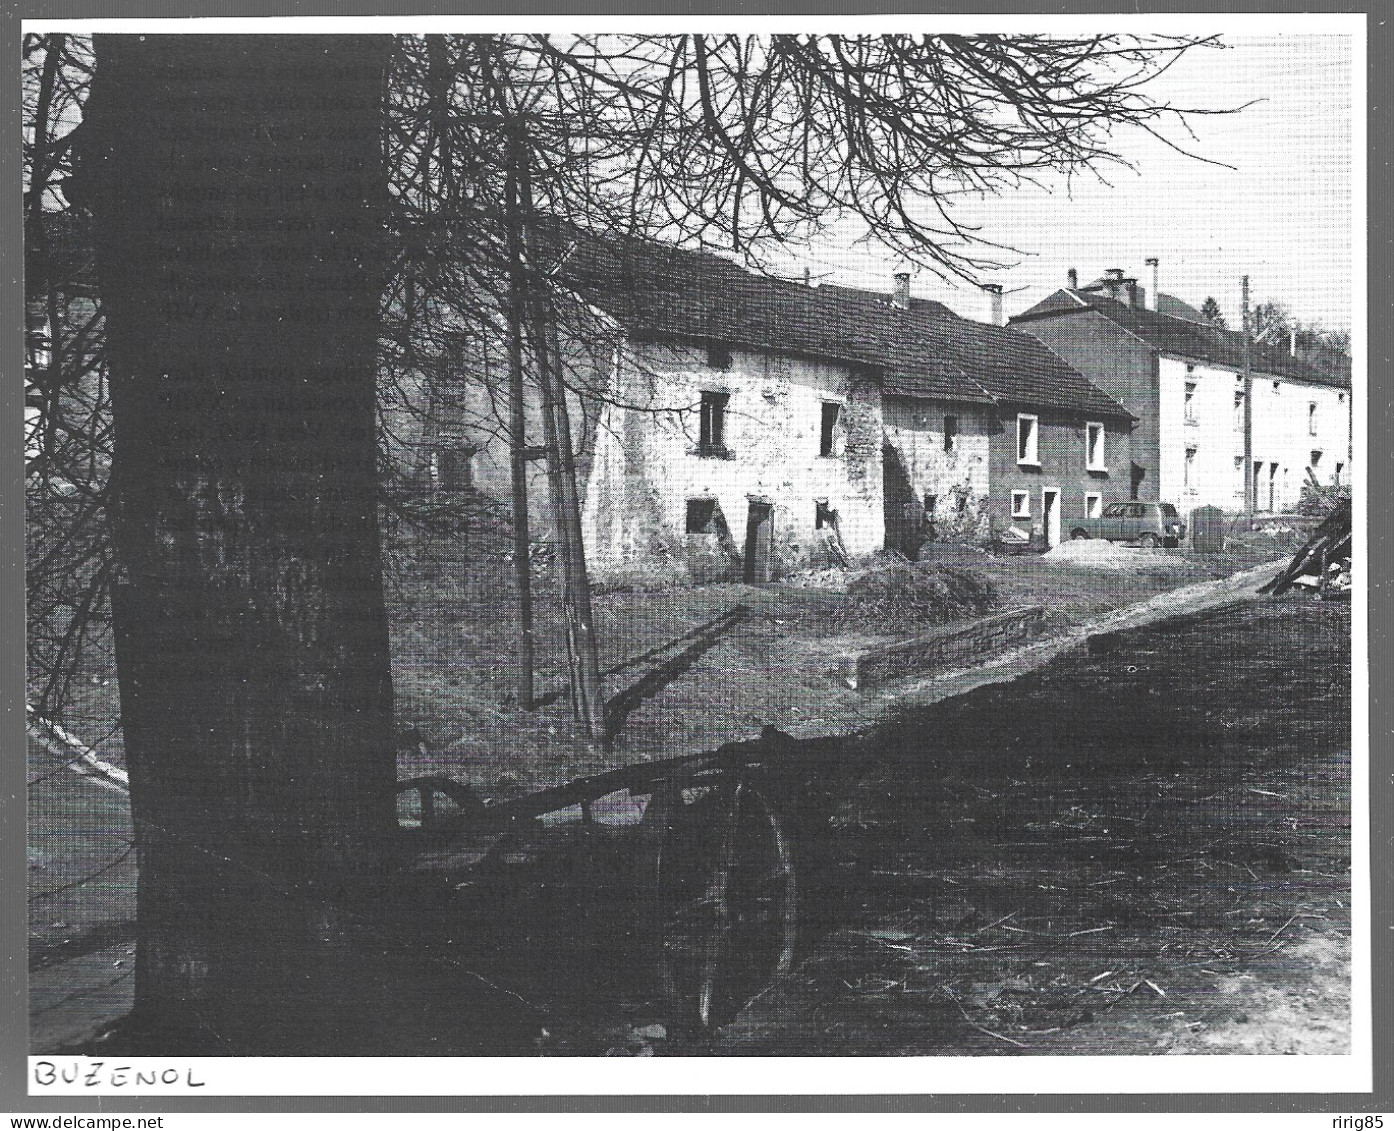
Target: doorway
point(759, 543)
point(1050, 515)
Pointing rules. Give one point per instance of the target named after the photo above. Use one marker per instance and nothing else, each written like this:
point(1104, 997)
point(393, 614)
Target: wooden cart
point(701, 848)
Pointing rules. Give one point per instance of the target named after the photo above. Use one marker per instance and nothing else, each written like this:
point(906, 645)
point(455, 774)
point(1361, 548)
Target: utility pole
point(1250, 479)
point(517, 440)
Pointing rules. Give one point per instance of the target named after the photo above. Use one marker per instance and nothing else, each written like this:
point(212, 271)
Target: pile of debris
point(1323, 564)
point(834, 579)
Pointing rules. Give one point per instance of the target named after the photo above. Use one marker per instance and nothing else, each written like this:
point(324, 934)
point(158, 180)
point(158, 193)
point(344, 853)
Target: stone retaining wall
point(947, 647)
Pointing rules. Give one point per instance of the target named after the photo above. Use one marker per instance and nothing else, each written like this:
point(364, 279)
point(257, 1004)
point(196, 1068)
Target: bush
point(1320, 500)
point(896, 593)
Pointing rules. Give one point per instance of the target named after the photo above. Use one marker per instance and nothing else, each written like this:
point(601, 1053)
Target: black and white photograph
point(829, 541)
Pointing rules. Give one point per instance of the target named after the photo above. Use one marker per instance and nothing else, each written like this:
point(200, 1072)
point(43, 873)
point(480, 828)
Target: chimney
point(900, 297)
point(807, 277)
point(1154, 297)
point(1074, 279)
point(1130, 288)
point(1113, 282)
point(994, 298)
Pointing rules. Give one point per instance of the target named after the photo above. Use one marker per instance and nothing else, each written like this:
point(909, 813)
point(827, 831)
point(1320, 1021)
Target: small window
point(1027, 444)
point(1189, 476)
point(712, 440)
point(824, 517)
point(1093, 505)
point(1094, 447)
point(950, 433)
point(701, 516)
point(452, 469)
point(828, 443)
point(1116, 510)
point(718, 357)
point(1190, 402)
point(1311, 418)
point(1021, 504)
point(931, 504)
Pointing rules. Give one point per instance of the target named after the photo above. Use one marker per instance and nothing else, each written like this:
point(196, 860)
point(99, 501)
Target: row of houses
point(1184, 380)
point(735, 425)
point(756, 425)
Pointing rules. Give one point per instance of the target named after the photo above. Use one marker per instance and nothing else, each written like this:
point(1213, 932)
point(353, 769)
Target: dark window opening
point(827, 444)
point(701, 516)
point(712, 441)
point(931, 504)
point(452, 469)
point(824, 517)
point(950, 433)
point(718, 357)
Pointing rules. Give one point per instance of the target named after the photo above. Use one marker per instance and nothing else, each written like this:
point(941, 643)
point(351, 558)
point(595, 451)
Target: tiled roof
point(1170, 304)
point(1180, 336)
point(658, 291)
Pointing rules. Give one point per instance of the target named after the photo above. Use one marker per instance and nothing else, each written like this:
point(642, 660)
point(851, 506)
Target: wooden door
point(759, 544)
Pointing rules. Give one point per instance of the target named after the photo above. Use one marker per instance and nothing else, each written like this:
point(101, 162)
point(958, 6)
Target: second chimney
point(1073, 276)
point(1154, 295)
point(994, 298)
point(900, 297)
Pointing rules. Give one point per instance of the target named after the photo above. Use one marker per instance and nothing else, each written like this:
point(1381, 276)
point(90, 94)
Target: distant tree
point(1211, 309)
point(1270, 323)
point(1274, 324)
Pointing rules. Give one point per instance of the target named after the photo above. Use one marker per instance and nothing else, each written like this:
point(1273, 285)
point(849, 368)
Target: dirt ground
point(779, 664)
point(1143, 850)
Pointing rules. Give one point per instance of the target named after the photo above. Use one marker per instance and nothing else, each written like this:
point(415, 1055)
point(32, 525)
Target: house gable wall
point(648, 465)
point(918, 464)
point(1122, 366)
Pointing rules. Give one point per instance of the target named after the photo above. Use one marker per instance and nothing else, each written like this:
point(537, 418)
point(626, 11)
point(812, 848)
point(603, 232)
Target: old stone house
point(754, 425)
point(1183, 379)
point(1041, 444)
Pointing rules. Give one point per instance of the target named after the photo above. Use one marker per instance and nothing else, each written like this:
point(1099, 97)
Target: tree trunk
point(238, 188)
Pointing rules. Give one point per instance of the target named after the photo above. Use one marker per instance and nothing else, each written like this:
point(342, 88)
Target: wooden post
point(1250, 480)
point(587, 698)
point(517, 439)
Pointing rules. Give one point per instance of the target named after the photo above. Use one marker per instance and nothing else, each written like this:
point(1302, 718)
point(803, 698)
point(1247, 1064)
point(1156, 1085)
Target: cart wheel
point(720, 899)
point(1148, 541)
